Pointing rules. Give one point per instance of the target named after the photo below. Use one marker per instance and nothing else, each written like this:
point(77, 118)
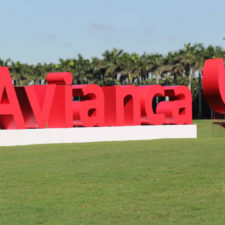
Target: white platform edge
point(94, 134)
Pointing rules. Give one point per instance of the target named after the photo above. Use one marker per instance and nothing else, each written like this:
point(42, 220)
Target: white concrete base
point(94, 134)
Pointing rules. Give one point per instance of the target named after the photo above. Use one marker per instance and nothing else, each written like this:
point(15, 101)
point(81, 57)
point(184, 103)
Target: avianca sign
point(52, 105)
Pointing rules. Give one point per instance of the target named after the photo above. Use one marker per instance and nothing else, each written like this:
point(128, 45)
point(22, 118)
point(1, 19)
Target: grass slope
point(138, 182)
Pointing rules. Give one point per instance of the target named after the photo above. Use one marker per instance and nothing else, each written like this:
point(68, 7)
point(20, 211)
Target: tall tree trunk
point(157, 78)
point(189, 78)
point(175, 79)
point(103, 79)
point(138, 81)
point(189, 81)
point(113, 80)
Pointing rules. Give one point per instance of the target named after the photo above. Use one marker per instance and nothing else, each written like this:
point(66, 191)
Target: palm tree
point(188, 61)
point(111, 60)
point(125, 68)
point(5, 62)
point(198, 67)
point(155, 62)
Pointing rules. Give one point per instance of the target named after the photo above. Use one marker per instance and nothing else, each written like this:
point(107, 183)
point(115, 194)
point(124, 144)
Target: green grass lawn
point(160, 182)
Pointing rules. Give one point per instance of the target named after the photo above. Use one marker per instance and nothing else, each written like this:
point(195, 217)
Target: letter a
point(10, 113)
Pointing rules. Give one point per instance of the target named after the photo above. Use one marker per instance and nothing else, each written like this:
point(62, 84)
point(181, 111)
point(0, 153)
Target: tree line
point(117, 67)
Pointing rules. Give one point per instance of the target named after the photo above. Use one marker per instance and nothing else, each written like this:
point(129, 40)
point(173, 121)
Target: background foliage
point(117, 67)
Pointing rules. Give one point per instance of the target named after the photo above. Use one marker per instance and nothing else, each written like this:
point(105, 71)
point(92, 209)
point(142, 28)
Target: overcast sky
point(35, 31)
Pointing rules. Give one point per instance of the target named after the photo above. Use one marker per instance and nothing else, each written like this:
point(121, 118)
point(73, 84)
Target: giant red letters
point(89, 111)
point(179, 109)
point(122, 105)
point(61, 111)
point(36, 102)
point(213, 82)
point(60, 104)
point(10, 113)
point(147, 93)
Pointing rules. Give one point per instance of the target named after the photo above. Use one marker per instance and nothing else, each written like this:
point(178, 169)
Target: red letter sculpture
point(179, 109)
point(60, 104)
point(147, 93)
point(122, 105)
point(89, 111)
point(61, 111)
point(10, 114)
point(213, 82)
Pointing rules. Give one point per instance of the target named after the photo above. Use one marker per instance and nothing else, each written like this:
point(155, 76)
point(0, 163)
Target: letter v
point(41, 98)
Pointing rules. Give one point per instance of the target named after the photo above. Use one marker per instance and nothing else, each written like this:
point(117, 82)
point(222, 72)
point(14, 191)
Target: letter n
point(122, 105)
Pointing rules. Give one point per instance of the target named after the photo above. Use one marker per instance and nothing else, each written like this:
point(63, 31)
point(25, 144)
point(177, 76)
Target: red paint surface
point(56, 105)
point(213, 82)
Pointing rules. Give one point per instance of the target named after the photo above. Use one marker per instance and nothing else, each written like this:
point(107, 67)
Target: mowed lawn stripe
point(179, 181)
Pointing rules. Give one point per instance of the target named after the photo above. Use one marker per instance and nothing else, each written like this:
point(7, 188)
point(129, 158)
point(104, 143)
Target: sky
point(33, 31)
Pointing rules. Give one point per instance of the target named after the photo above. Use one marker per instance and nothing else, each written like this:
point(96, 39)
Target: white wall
point(95, 134)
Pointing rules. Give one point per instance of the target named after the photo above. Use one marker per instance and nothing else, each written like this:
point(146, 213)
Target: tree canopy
point(119, 67)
